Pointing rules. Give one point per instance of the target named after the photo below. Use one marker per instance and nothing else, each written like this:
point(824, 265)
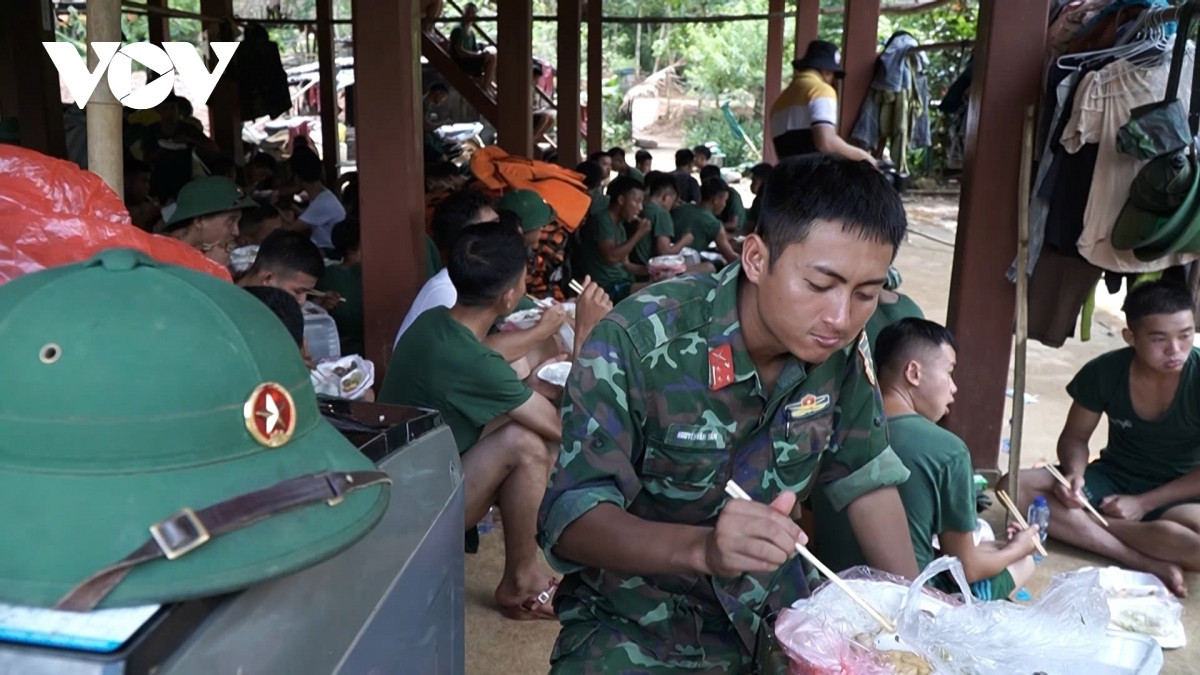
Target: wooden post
point(329, 112)
point(570, 27)
point(391, 180)
point(105, 151)
point(1008, 73)
point(595, 75)
point(774, 72)
point(514, 78)
point(160, 24)
point(29, 84)
point(1021, 358)
point(808, 24)
point(859, 40)
point(224, 110)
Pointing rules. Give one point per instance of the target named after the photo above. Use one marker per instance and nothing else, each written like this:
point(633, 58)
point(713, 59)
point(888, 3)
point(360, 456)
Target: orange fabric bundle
point(562, 189)
point(54, 213)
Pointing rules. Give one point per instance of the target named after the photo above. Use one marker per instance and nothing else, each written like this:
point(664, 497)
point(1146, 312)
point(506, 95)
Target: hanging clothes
point(1102, 106)
point(1058, 290)
point(262, 82)
point(896, 111)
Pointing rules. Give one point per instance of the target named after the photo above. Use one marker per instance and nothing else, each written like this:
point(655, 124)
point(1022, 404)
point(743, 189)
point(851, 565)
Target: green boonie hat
point(1155, 213)
point(210, 194)
point(535, 213)
point(117, 417)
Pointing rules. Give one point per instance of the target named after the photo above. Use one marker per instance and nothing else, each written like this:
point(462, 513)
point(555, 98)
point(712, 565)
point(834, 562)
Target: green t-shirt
point(346, 282)
point(637, 175)
point(888, 314)
point(1157, 451)
point(599, 227)
point(463, 38)
point(698, 220)
point(661, 225)
point(433, 259)
point(438, 363)
point(939, 495)
point(735, 207)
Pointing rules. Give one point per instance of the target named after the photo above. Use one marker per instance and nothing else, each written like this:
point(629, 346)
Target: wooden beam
point(808, 24)
point(224, 109)
point(860, 38)
point(570, 29)
point(595, 75)
point(514, 78)
point(159, 23)
point(28, 79)
point(1008, 69)
point(328, 90)
point(774, 72)
point(391, 179)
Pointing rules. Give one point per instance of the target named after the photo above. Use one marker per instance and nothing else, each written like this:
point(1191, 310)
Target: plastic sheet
point(1063, 630)
point(54, 213)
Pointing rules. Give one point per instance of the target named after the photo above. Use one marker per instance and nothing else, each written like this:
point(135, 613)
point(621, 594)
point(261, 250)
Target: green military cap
point(535, 213)
point(1161, 201)
point(139, 395)
point(207, 195)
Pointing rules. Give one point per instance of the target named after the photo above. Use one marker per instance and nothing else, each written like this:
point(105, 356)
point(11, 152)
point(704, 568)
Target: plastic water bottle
point(487, 523)
point(1039, 514)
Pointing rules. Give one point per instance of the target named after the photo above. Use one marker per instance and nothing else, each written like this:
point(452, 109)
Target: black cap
point(821, 55)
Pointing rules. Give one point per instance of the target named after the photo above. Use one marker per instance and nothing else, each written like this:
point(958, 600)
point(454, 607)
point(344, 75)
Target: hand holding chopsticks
point(735, 491)
point(1062, 480)
point(1016, 514)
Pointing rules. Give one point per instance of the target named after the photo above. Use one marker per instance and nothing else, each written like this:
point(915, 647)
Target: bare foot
point(1171, 575)
point(536, 602)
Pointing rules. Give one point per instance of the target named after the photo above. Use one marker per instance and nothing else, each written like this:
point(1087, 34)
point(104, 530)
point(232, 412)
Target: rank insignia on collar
point(270, 414)
point(809, 405)
point(720, 367)
point(864, 355)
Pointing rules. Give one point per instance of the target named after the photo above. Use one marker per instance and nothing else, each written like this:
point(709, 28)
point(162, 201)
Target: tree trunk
point(637, 45)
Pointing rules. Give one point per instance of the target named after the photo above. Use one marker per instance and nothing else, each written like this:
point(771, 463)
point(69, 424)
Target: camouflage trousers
point(596, 649)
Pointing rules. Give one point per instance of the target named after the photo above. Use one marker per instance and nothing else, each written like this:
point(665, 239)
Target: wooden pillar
point(160, 24)
point(1008, 67)
point(105, 151)
point(570, 28)
point(595, 75)
point(808, 24)
point(387, 121)
point(224, 110)
point(514, 77)
point(328, 84)
point(774, 72)
point(860, 37)
point(28, 80)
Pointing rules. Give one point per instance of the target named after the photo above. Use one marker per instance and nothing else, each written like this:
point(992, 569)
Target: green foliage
point(618, 124)
point(710, 126)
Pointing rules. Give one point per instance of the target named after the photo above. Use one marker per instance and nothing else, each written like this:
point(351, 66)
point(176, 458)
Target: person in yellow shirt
point(804, 117)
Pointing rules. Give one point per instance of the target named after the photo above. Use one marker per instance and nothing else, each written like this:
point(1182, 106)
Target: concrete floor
point(496, 645)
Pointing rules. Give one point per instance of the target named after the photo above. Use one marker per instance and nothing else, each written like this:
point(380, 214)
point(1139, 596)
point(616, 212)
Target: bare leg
point(1174, 538)
point(510, 467)
point(489, 70)
point(1022, 571)
point(1076, 527)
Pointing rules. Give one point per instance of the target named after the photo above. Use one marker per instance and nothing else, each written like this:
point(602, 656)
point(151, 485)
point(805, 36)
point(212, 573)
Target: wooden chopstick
point(322, 294)
point(1012, 508)
point(734, 490)
point(1067, 484)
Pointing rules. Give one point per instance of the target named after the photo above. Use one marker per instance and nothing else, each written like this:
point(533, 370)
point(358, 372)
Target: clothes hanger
point(1145, 35)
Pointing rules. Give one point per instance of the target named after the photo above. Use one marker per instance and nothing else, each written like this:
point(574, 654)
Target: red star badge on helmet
point(270, 414)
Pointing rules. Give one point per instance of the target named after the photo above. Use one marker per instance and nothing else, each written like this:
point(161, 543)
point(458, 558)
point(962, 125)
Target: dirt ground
point(496, 645)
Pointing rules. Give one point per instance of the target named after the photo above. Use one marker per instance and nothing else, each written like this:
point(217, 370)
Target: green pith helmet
point(137, 391)
point(535, 213)
point(207, 195)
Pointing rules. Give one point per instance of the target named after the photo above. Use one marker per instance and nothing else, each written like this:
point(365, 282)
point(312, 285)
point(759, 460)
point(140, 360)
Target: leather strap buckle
point(179, 533)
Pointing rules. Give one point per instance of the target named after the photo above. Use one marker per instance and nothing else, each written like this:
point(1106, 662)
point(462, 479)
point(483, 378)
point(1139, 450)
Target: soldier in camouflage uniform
point(759, 374)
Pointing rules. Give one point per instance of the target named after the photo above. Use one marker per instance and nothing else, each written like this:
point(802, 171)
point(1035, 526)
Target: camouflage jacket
point(663, 407)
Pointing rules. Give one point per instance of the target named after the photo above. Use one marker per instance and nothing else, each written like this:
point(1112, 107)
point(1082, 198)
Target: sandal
point(536, 607)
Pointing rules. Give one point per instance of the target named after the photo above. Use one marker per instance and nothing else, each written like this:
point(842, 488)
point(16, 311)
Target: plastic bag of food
point(54, 213)
point(666, 266)
point(348, 377)
point(816, 648)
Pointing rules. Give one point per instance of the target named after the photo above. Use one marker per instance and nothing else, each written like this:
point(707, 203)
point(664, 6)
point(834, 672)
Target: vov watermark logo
point(179, 58)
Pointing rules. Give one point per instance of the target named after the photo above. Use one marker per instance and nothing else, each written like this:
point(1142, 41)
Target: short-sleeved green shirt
point(735, 207)
point(464, 38)
point(599, 226)
point(698, 220)
point(939, 495)
point(438, 363)
point(1156, 451)
point(637, 175)
point(664, 405)
point(661, 225)
point(346, 282)
point(888, 314)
